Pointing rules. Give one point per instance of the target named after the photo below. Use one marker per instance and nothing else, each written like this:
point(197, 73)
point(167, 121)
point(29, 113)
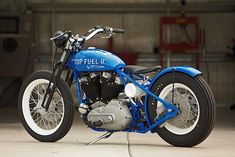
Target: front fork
point(57, 71)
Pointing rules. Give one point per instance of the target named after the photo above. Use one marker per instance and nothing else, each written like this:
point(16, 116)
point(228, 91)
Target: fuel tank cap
point(91, 48)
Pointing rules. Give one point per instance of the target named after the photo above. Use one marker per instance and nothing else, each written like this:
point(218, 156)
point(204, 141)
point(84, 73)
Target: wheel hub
point(52, 115)
point(184, 110)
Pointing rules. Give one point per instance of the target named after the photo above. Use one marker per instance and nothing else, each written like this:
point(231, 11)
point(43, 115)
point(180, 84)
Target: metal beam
point(196, 7)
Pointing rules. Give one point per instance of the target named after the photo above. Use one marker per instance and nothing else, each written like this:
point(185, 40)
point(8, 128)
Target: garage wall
point(141, 29)
point(121, 1)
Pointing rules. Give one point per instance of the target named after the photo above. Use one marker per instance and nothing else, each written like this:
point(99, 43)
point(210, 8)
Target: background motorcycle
point(177, 103)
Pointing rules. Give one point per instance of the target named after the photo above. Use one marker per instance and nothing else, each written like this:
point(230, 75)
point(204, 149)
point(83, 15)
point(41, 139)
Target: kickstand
point(106, 135)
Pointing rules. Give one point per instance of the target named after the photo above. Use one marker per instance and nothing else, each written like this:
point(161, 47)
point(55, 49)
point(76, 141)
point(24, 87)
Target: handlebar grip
point(118, 30)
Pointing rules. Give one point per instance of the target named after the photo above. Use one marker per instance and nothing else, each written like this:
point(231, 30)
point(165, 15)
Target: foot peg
point(106, 135)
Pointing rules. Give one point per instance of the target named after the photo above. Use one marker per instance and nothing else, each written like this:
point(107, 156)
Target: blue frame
point(92, 60)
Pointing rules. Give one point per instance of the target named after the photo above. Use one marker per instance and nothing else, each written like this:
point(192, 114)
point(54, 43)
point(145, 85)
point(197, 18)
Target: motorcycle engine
point(101, 86)
point(113, 116)
point(107, 109)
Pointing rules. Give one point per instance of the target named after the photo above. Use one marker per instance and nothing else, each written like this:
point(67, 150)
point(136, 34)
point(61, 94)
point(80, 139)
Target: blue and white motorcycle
point(177, 103)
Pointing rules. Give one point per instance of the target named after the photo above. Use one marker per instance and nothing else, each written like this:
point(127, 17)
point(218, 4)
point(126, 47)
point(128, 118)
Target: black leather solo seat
point(136, 69)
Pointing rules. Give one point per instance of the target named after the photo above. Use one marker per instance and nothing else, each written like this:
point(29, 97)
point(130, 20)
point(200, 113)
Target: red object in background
point(129, 58)
point(181, 47)
point(110, 44)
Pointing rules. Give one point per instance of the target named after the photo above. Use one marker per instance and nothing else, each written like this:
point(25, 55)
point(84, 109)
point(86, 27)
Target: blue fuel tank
point(93, 59)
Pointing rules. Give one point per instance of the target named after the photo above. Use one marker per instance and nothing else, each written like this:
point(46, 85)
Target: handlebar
point(61, 38)
point(118, 30)
point(59, 34)
point(93, 33)
point(102, 29)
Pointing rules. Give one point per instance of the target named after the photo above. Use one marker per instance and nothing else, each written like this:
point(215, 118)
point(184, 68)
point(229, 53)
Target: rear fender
point(192, 72)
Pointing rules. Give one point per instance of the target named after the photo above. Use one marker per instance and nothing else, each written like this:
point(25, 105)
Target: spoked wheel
point(187, 103)
point(51, 125)
point(196, 105)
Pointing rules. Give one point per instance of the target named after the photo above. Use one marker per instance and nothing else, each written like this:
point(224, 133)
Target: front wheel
point(196, 105)
point(45, 126)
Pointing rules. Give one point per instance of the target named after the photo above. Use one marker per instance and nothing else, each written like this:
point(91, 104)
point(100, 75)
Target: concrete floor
point(15, 141)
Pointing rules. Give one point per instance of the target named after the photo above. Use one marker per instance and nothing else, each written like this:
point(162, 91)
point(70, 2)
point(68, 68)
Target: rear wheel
point(196, 105)
point(51, 125)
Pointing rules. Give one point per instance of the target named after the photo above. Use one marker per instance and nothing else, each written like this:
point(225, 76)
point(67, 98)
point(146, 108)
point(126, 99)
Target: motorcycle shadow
point(78, 143)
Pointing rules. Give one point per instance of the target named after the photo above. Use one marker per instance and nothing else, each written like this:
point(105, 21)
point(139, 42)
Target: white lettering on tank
point(91, 61)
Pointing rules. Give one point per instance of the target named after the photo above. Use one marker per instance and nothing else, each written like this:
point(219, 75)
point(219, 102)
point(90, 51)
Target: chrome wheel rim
point(187, 103)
